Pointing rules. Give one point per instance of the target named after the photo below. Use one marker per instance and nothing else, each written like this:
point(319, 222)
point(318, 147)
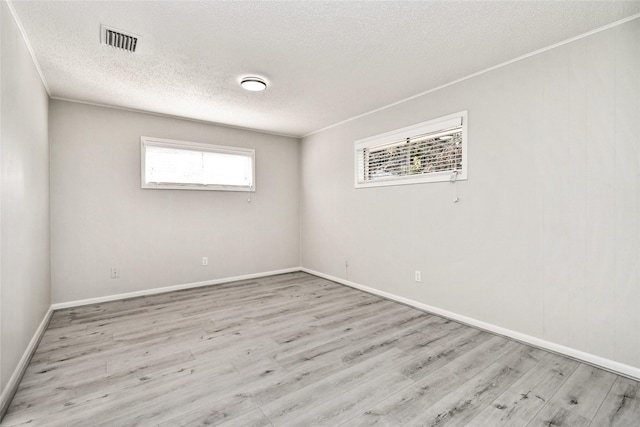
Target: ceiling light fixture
point(254, 84)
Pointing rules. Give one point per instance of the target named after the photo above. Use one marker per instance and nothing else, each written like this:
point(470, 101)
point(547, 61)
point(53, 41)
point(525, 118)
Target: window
point(168, 164)
point(427, 152)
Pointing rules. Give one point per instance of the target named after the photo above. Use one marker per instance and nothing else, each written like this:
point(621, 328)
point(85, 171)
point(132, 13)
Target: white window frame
point(147, 141)
point(431, 126)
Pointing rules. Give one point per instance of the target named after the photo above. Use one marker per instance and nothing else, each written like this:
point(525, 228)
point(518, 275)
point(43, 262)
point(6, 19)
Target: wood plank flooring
point(298, 350)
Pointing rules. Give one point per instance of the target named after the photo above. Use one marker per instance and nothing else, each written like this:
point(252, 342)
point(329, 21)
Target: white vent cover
point(118, 39)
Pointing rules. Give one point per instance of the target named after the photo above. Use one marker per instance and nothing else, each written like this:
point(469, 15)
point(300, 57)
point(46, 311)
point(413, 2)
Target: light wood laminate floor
point(297, 350)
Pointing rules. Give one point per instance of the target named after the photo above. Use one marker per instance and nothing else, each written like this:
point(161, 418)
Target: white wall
point(24, 198)
point(545, 238)
point(101, 218)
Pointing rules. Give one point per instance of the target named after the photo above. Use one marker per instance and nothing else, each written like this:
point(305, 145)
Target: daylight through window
point(170, 164)
point(427, 152)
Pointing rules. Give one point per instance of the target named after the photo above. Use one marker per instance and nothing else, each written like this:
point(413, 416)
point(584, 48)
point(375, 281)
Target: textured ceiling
point(325, 61)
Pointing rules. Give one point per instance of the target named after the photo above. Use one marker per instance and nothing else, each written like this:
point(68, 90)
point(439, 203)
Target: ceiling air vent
point(119, 39)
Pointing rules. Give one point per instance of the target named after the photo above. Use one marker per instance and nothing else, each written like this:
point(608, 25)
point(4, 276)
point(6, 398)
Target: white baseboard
point(13, 383)
point(601, 362)
point(154, 291)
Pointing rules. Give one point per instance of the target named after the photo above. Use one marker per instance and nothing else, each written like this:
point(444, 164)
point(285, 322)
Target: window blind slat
point(432, 149)
point(414, 156)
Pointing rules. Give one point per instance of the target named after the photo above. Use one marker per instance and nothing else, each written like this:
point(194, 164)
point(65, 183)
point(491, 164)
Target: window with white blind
point(168, 164)
point(426, 152)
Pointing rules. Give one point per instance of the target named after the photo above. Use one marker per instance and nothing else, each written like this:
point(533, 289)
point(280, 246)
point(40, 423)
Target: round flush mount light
point(254, 84)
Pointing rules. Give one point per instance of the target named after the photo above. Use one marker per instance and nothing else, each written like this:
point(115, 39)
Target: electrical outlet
point(115, 273)
point(205, 260)
point(418, 276)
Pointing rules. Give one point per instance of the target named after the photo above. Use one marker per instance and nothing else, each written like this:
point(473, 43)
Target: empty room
point(320, 213)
